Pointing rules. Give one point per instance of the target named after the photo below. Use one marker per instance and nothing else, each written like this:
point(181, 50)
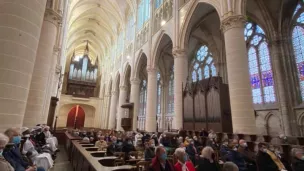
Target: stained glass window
point(129, 30)
point(171, 93)
point(298, 45)
point(260, 70)
point(158, 3)
point(203, 64)
point(142, 105)
point(143, 13)
point(159, 94)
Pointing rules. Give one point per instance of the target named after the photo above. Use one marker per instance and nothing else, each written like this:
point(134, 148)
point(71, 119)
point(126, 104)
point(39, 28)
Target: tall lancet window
point(143, 13)
point(142, 105)
point(171, 93)
point(203, 64)
point(159, 94)
point(298, 44)
point(260, 69)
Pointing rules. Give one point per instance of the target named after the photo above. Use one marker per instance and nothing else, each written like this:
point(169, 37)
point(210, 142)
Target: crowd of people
point(24, 149)
point(193, 154)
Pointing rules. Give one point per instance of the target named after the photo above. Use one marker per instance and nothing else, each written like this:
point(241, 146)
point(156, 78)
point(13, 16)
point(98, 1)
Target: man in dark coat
point(298, 159)
point(264, 161)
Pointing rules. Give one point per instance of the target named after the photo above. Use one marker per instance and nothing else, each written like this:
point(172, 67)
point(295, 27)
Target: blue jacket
point(14, 157)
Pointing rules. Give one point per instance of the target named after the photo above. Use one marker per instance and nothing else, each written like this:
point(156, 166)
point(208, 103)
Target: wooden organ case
point(206, 104)
point(82, 79)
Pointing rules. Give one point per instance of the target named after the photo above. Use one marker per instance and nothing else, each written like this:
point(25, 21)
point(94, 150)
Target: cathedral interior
point(233, 66)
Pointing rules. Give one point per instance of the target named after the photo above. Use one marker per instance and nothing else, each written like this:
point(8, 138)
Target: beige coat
point(5, 165)
point(101, 145)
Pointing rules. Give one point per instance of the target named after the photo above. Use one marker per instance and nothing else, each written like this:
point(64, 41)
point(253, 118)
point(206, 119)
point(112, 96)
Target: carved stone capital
point(52, 16)
point(236, 21)
point(151, 70)
point(135, 81)
point(56, 49)
point(58, 69)
point(123, 88)
point(178, 52)
point(114, 93)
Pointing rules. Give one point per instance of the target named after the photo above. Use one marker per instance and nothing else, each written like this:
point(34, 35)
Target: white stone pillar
point(113, 110)
point(39, 83)
point(243, 118)
point(151, 100)
point(20, 27)
point(105, 112)
point(123, 93)
point(280, 86)
point(180, 78)
point(135, 83)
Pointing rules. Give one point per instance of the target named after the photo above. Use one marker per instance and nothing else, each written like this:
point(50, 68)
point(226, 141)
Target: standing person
point(297, 159)
point(160, 162)
point(206, 161)
point(236, 157)
point(268, 161)
point(4, 165)
point(183, 163)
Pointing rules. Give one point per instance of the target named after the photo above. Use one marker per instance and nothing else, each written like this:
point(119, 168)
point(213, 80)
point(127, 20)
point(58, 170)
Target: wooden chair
point(143, 165)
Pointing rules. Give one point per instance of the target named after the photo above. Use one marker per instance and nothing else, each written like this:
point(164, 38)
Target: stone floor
point(62, 163)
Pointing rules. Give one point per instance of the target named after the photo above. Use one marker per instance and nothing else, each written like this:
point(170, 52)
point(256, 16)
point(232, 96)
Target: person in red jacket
point(160, 162)
point(183, 163)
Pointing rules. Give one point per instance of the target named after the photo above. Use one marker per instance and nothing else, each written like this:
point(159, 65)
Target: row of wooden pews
point(86, 157)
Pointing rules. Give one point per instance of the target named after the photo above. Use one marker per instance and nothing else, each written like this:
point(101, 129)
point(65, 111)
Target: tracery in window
point(260, 69)
point(159, 94)
point(143, 13)
point(129, 30)
point(158, 3)
point(298, 45)
point(142, 105)
point(171, 93)
point(203, 64)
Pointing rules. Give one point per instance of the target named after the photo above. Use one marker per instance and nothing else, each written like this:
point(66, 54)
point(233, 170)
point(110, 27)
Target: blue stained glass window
point(298, 46)
point(260, 70)
point(158, 3)
point(203, 65)
point(143, 98)
point(171, 93)
point(143, 13)
point(159, 94)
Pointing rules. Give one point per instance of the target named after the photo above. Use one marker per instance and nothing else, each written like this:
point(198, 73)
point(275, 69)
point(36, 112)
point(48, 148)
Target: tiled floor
point(62, 163)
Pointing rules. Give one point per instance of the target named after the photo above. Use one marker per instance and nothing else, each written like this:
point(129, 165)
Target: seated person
point(268, 161)
point(127, 147)
point(187, 141)
point(297, 159)
point(248, 156)
point(39, 136)
point(154, 137)
point(50, 139)
point(149, 150)
point(164, 140)
point(113, 147)
point(183, 162)
point(192, 151)
point(12, 153)
point(160, 162)
point(224, 149)
point(138, 139)
point(4, 165)
point(236, 157)
point(101, 143)
point(43, 160)
point(206, 160)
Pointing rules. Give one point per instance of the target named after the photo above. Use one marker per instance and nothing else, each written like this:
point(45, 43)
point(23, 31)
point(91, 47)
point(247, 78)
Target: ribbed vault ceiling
point(97, 21)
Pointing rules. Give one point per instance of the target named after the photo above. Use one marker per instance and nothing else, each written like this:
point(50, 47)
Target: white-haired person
point(50, 139)
point(12, 153)
point(206, 160)
point(297, 159)
point(43, 160)
point(230, 166)
point(183, 163)
point(4, 165)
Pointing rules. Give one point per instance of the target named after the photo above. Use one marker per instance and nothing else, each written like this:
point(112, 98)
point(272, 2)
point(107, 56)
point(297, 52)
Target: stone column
point(279, 82)
point(105, 111)
point(20, 26)
point(180, 78)
point(39, 83)
point(122, 100)
point(151, 100)
point(243, 118)
point(135, 83)
point(113, 110)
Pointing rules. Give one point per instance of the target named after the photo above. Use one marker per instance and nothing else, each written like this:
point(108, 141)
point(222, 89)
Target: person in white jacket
point(50, 139)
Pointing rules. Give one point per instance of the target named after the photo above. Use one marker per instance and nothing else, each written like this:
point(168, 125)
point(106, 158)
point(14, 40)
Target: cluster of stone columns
point(28, 34)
